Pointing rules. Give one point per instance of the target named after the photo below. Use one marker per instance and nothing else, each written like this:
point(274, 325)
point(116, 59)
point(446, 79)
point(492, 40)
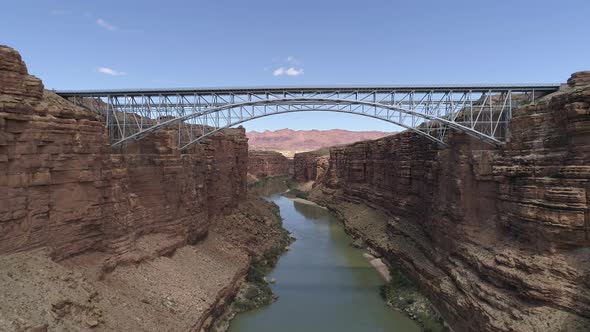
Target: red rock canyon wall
point(499, 239)
point(62, 187)
point(309, 166)
point(268, 163)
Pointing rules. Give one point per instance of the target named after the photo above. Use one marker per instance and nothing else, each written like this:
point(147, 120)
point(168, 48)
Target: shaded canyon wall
point(62, 187)
point(498, 238)
point(309, 166)
point(269, 163)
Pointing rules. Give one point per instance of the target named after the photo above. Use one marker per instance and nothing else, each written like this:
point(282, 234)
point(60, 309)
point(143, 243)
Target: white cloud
point(294, 72)
point(110, 71)
point(279, 71)
point(291, 71)
point(104, 24)
point(290, 66)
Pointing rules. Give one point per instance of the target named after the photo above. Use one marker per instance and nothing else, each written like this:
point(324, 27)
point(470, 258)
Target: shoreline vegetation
point(403, 295)
point(398, 292)
point(254, 292)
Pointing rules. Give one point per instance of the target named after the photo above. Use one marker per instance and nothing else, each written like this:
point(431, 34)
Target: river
point(323, 283)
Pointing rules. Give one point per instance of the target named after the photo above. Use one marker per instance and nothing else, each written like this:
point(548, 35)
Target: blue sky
point(141, 44)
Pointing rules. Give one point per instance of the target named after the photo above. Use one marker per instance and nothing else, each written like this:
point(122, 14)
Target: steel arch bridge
point(477, 110)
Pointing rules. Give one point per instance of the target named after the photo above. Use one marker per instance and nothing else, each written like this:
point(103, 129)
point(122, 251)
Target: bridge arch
point(477, 110)
point(407, 118)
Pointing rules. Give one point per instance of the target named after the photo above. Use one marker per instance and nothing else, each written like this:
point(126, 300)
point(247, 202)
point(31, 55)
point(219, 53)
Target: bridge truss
point(480, 111)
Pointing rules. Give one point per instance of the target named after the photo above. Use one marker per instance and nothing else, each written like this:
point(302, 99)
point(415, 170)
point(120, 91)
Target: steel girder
point(480, 111)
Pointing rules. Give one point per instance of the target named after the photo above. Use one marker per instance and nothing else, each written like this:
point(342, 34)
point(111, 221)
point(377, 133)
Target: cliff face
point(269, 163)
point(310, 166)
point(62, 187)
point(499, 239)
point(117, 239)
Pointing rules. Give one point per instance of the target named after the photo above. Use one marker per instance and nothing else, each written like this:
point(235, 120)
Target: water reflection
point(270, 186)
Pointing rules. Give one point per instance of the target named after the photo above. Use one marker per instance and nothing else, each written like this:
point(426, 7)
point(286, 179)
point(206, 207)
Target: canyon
point(268, 164)
point(310, 166)
point(281, 149)
point(138, 237)
point(148, 237)
point(497, 238)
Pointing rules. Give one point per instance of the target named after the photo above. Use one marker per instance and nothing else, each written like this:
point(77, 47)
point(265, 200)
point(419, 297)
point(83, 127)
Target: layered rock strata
point(112, 239)
point(186, 290)
point(63, 187)
point(309, 166)
point(498, 238)
point(269, 163)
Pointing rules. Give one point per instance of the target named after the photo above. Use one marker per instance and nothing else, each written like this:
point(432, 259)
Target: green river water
point(323, 283)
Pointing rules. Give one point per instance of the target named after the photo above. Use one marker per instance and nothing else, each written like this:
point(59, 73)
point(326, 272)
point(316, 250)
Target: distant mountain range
point(289, 141)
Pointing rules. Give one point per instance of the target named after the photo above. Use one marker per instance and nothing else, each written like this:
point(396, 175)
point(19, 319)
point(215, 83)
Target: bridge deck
point(545, 87)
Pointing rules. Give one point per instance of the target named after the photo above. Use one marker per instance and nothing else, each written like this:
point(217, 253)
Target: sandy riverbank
point(379, 265)
point(305, 201)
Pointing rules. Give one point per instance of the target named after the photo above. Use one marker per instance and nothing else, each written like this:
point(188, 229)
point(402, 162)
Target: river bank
point(264, 246)
point(322, 278)
point(368, 227)
point(180, 291)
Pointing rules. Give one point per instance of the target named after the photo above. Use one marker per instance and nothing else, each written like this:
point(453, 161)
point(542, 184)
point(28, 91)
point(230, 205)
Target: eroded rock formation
point(499, 239)
point(64, 188)
point(114, 239)
point(269, 163)
point(309, 166)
